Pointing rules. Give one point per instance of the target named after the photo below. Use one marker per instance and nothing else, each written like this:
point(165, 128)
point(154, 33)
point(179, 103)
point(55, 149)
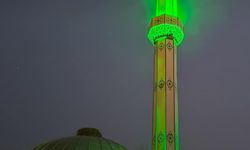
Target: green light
point(163, 30)
point(168, 7)
point(166, 22)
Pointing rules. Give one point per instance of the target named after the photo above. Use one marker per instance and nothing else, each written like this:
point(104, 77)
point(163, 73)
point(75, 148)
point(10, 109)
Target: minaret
point(165, 33)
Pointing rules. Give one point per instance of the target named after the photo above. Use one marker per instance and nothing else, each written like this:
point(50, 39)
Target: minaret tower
point(165, 33)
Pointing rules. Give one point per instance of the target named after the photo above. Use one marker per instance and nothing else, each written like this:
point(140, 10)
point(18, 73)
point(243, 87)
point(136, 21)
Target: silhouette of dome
point(86, 139)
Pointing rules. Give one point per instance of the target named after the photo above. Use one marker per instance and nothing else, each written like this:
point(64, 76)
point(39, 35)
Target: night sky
point(67, 64)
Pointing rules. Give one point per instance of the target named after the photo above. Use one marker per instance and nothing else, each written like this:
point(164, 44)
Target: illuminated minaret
point(165, 33)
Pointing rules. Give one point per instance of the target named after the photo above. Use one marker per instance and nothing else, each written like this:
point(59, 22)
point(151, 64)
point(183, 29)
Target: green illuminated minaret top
point(166, 22)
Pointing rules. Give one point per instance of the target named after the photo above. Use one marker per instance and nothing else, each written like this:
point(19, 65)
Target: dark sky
point(67, 64)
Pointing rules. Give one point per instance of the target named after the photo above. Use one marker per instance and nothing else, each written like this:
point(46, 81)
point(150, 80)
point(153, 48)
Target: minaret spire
point(165, 33)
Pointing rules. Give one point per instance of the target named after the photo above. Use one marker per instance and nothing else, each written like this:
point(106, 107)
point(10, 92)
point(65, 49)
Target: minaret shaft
point(165, 104)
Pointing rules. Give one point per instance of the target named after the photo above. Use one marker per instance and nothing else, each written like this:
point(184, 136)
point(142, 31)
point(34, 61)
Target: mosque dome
point(86, 139)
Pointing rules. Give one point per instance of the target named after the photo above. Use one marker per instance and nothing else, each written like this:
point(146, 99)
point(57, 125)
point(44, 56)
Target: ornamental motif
point(161, 138)
point(170, 84)
point(159, 20)
point(164, 25)
point(170, 138)
point(169, 46)
point(161, 46)
point(161, 84)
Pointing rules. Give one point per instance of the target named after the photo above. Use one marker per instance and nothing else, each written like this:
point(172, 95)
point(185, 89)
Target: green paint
point(161, 31)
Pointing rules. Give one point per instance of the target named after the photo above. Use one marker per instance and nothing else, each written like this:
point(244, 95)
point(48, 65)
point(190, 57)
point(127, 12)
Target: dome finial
point(89, 132)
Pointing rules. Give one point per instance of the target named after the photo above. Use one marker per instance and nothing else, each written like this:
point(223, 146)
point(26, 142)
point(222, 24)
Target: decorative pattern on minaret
point(170, 84)
point(170, 137)
point(161, 84)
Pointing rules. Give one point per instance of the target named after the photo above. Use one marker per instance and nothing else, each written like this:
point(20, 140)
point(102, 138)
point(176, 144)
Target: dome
point(86, 139)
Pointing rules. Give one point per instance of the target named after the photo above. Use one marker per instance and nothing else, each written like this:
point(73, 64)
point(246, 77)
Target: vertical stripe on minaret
point(177, 143)
point(165, 111)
